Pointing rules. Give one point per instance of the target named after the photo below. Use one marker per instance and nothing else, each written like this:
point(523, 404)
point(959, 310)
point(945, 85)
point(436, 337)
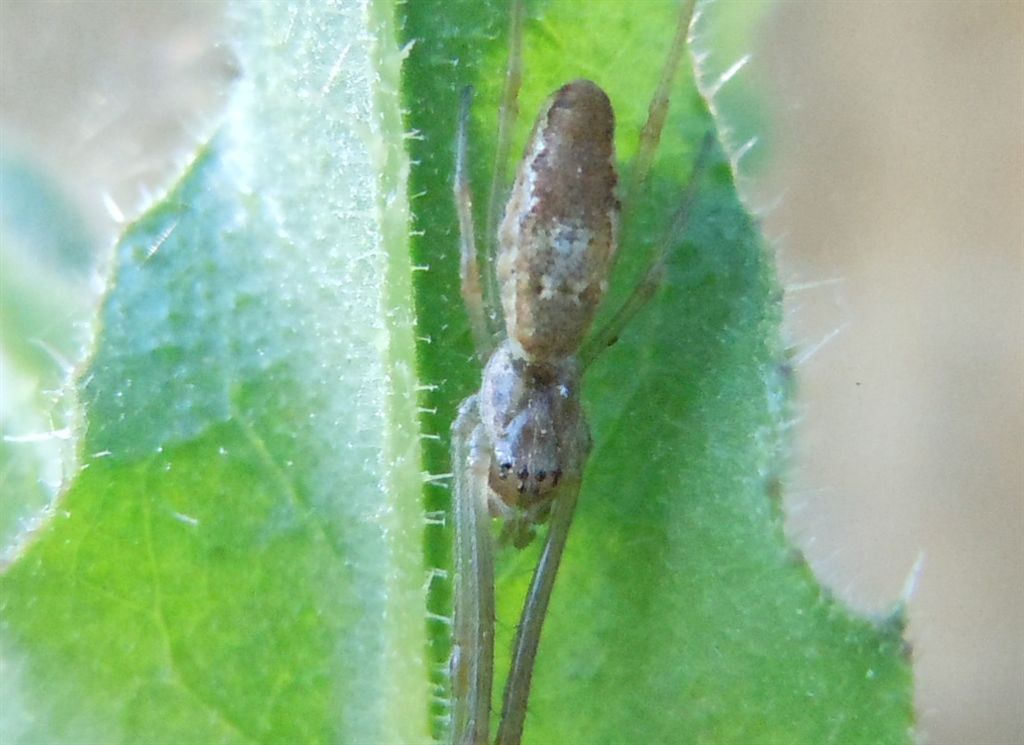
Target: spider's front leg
point(472, 665)
point(517, 689)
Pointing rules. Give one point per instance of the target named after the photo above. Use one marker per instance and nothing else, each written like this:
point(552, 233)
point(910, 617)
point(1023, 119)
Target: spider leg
point(650, 138)
point(517, 689)
point(657, 110)
point(469, 268)
point(507, 115)
point(655, 273)
point(472, 665)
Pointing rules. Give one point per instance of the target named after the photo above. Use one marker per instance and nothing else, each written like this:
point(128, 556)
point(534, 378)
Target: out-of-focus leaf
point(239, 559)
point(45, 257)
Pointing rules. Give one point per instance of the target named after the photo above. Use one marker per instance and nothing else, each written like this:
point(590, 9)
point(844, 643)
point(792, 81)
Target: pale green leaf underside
point(241, 558)
point(45, 248)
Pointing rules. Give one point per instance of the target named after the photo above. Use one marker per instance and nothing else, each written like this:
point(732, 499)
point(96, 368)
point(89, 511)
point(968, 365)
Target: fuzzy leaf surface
point(239, 557)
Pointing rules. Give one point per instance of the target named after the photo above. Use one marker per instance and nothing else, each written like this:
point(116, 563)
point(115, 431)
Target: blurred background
point(894, 195)
point(899, 144)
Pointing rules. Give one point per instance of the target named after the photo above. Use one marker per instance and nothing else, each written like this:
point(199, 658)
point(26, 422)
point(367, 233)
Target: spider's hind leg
point(479, 284)
point(652, 277)
point(647, 148)
point(469, 267)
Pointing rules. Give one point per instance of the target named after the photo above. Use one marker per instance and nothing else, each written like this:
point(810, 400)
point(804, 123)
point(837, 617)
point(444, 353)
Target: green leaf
point(45, 251)
point(241, 555)
point(239, 558)
point(680, 614)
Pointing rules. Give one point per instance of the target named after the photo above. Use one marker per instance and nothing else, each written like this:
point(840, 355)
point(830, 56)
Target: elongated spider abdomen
point(533, 419)
point(557, 240)
point(521, 442)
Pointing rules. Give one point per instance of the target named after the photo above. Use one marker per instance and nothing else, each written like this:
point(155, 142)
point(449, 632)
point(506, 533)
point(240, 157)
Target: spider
point(521, 442)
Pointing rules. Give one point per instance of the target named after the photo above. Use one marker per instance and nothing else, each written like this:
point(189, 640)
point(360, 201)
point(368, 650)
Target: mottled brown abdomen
point(557, 240)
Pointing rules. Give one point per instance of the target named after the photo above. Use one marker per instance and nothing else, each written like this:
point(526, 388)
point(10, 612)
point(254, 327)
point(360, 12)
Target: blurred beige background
point(900, 232)
point(901, 165)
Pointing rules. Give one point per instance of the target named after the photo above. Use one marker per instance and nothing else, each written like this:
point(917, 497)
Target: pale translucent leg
point(473, 649)
point(657, 110)
point(517, 689)
point(607, 335)
point(469, 268)
point(507, 114)
point(650, 138)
